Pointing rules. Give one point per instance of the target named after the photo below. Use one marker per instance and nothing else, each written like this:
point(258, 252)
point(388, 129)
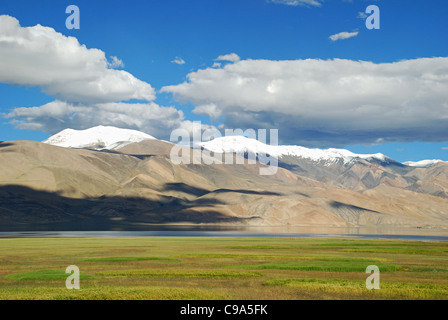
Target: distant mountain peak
point(244, 144)
point(100, 137)
point(422, 163)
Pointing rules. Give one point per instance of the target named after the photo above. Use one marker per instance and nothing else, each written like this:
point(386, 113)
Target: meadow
point(165, 268)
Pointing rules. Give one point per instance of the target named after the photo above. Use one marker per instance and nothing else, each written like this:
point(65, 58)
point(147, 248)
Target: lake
point(224, 231)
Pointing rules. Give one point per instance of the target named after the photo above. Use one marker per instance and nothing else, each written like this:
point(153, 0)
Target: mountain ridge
point(113, 138)
point(139, 185)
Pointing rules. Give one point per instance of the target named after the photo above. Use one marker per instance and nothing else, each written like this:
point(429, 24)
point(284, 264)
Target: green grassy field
point(222, 268)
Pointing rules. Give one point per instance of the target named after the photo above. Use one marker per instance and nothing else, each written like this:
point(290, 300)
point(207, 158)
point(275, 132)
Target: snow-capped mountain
point(422, 163)
point(112, 138)
point(100, 137)
point(240, 144)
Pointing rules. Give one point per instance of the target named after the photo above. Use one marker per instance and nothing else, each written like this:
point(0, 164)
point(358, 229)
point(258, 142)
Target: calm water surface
point(220, 231)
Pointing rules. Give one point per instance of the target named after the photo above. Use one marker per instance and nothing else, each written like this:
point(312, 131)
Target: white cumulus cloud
point(88, 91)
point(115, 62)
point(316, 3)
point(210, 110)
point(62, 67)
point(343, 35)
point(232, 57)
point(326, 102)
point(57, 115)
point(178, 60)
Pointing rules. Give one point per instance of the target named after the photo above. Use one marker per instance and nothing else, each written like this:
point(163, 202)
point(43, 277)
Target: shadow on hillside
point(138, 156)
point(23, 208)
point(199, 192)
point(290, 166)
point(185, 188)
point(350, 207)
point(5, 144)
point(265, 193)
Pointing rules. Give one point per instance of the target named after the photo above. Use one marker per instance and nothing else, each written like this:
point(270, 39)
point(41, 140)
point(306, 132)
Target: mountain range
point(105, 177)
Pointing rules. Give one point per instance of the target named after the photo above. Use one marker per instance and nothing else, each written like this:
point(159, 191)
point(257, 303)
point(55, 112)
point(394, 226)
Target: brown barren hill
point(41, 184)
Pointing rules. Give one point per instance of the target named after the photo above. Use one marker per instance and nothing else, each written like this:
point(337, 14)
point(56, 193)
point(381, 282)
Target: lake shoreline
point(435, 236)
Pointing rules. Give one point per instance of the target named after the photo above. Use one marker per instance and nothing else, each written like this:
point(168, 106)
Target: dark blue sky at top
point(148, 35)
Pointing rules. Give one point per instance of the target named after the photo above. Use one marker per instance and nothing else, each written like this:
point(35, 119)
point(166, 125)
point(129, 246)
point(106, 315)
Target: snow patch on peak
point(100, 137)
point(422, 163)
point(377, 156)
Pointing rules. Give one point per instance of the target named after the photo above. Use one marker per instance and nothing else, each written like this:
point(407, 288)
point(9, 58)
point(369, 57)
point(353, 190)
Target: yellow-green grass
point(45, 275)
point(207, 274)
point(332, 265)
point(112, 293)
point(127, 259)
point(222, 268)
point(388, 290)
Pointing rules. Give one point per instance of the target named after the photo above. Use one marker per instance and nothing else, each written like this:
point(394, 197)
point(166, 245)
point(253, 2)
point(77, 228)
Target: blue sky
point(147, 36)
